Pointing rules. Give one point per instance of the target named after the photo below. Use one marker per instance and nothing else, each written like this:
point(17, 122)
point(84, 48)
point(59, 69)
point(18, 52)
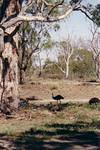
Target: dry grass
point(49, 127)
point(33, 128)
point(37, 117)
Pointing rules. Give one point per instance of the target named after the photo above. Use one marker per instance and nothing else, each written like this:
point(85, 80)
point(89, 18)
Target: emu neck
point(52, 95)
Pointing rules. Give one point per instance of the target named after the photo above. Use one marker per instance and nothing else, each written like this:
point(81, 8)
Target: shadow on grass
point(24, 103)
point(52, 107)
point(5, 142)
point(63, 137)
point(32, 98)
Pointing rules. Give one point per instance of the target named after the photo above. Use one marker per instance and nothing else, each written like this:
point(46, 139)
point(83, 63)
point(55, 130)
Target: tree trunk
point(9, 75)
point(21, 76)
point(98, 70)
point(67, 69)
point(9, 57)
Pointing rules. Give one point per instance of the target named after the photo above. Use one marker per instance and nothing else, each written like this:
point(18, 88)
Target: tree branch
point(60, 68)
point(45, 18)
point(38, 17)
point(56, 5)
point(84, 11)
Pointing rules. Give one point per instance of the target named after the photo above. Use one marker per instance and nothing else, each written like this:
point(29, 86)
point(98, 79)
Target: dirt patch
point(71, 90)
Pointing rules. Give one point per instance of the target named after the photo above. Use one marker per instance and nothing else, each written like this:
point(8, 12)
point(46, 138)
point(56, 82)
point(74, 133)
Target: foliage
point(74, 1)
point(56, 27)
point(50, 70)
point(96, 14)
point(82, 64)
point(48, 44)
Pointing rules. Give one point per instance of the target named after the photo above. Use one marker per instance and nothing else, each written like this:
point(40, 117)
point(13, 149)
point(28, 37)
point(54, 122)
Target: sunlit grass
point(40, 118)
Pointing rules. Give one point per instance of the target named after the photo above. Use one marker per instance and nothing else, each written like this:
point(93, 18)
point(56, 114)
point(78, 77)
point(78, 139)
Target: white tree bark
point(66, 51)
point(9, 73)
point(95, 48)
point(67, 69)
point(9, 78)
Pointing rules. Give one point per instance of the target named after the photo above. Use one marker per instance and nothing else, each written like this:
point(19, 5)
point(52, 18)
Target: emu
point(57, 98)
point(94, 100)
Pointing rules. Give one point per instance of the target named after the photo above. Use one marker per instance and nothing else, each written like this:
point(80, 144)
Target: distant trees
point(34, 38)
point(50, 70)
point(65, 51)
point(29, 43)
point(95, 47)
point(82, 64)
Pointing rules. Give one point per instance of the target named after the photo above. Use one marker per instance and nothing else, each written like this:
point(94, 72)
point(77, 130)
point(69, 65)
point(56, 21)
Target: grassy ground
point(46, 126)
point(71, 126)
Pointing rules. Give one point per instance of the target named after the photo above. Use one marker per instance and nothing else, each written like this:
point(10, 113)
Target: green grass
point(68, 113)
point(73, 122)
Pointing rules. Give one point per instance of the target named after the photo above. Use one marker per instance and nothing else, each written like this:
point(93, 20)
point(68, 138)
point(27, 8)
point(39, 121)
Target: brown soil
point(71, 90)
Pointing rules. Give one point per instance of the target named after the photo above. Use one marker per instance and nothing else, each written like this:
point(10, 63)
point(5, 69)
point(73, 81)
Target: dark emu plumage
point(94, 100)
point(57, 98)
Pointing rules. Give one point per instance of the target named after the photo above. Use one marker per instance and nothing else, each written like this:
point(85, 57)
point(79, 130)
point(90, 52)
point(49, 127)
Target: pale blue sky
point(76, 25)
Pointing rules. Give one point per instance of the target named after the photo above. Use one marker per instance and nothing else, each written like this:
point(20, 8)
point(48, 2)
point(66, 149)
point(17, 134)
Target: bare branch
point(39, 17)
point(60, 68)
point(42, 18)
point(83, 9)
point(56, 5)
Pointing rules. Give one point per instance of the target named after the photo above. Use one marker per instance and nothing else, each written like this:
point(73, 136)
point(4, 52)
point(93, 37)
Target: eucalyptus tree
point(12, 14)
point(30, 41)
point(95, 47)
point(65, 51)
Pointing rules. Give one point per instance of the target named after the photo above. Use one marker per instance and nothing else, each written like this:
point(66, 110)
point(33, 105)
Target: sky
point(77, 26)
